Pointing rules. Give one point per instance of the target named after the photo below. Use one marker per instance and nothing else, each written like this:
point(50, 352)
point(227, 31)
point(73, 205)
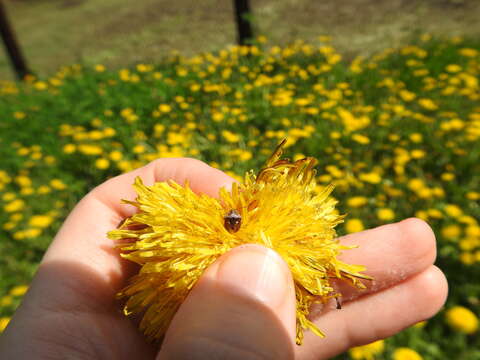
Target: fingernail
point(255, 271)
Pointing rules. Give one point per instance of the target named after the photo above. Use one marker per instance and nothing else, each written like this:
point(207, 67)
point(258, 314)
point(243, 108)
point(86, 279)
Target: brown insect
point(233, 221)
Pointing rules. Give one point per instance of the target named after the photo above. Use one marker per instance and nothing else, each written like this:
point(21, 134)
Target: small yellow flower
point(15, 205)
point(451, 232)
point(453, 68)
point(354, 225)
point(404, 353)
point(361, 139)
point(164, 108)
point(6, 300)
point(462, 319)
point(69, 148)
point(89, 149)
point(3, 323)
point(116, 155)
point(453, 210)
point(41, 221)
point(230, 136)
point(367, 352)
point(102, 164)
point(357, 201)
point(40, 85)
point(58, 184)
point(176, 234)
point(420, 325)
point(428, 104)
point(19, 290)
point(372, 177)
point(385, 214)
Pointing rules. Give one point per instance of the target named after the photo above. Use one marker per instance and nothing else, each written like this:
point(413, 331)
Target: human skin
point(243, 307)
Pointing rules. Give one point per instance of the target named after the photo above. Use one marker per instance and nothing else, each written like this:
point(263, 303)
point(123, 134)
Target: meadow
point(398, 133)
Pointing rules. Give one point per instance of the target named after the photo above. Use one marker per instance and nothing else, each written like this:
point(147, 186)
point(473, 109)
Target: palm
point(70, 310)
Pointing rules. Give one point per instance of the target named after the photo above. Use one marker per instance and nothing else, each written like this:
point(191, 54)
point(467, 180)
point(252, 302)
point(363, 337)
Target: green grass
point(372, 138)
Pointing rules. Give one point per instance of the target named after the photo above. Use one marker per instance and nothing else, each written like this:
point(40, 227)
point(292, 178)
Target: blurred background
point(117, 33)
point(385, 94)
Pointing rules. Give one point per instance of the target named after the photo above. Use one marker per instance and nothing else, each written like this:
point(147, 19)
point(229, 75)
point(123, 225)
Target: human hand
point(242, 307)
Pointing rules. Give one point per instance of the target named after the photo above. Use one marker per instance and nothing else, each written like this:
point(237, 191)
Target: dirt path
point(121, 32)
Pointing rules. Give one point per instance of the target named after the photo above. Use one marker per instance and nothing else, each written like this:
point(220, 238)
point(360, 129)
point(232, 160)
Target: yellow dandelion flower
point(6, 300)
point(167, 237)
point(451, 231)
point(354, 225)
point(428, 104)
point(357, 201)
point(102, 163)
point(367, 352)
point(15, 205)
point(19, 290)
point(453, 210)
point(41, 221)
point(385, 214)
point(3, 323)
point(462, 319)
point(404, 353)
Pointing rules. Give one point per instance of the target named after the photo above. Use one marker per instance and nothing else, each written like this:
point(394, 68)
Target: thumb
point(243, 307)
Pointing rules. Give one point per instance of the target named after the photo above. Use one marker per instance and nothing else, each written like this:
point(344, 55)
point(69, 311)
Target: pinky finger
point(378, 315)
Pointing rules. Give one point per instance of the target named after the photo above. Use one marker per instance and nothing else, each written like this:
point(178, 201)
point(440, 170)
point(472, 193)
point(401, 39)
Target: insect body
point(233, 221)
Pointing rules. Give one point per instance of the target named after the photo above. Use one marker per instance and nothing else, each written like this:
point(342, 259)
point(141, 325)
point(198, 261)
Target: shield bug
point(233, 221)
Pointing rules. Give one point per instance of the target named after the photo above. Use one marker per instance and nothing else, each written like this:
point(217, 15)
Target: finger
point(391, 253)
point(82, 239)
point(378, 315)
point(243, 307)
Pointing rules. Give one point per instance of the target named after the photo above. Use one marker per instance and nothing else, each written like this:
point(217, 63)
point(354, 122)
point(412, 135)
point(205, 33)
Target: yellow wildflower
point(19, 290)
point(15, 205)
point(357, 201)
point(354, 225)
point(164, 108)
point(404, 353)
point(116, 155)
point(23, 181)
point(385, 214)
point(468, 52)
point(230, 136)
point(89, 149)
point(41, 221)
point(57, 184)
point(462, 319)
point(367, 352)
point(453, 68)
point(102, 164)
point(451, 231)
point(167, 238)
point(3, 323)
point(453, 210)
point(372, 177)
point(407, 95)
point(361, 139)
point(6, 300)
point(69, 148)
point(428, 104)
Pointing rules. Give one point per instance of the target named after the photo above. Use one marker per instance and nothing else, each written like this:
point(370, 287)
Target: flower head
point(462, 319)
point(176, 234)
point(367, 352)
